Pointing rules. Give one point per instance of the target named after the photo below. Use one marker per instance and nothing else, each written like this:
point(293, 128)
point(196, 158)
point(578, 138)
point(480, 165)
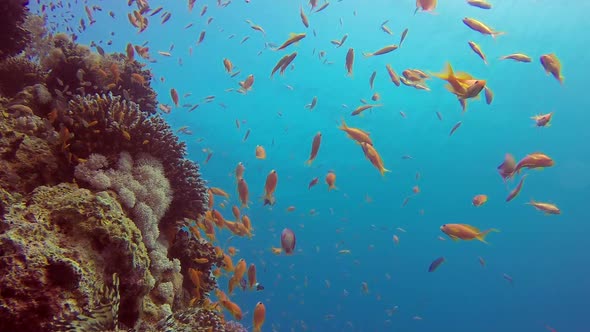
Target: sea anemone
point(13, 36)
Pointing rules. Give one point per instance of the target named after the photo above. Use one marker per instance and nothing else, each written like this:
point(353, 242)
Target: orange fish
point(547, 208)
point(481, 27)
point(174, 96)
point(303, 17)
point(479, 200)
point(349, 61)
point(236, 212)
point(374, 157)
point(130, 52)
point(542, 120)
point(243, 192)
point(552, 65)
point(293, 38)
point(219, 192)
point(478, 51)
point(516, 190)
point(233, 308)
point(315, 146)
point(425, 5)
point(393, 75)
point(269, 187)
point(331, 180)
point(246, 85)
point(384, 50)
point(260, 152)
point(228, 65)
point(251, 276)
point(517, 57)
point(246, 222)
point(259, 316)
point(465, 232)
point(534, 160)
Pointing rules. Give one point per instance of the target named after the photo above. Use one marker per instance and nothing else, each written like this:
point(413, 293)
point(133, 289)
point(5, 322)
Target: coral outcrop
point(27, 150)
point(94, 189)
point(57, 248)
point(76, 70)
point(107, 125)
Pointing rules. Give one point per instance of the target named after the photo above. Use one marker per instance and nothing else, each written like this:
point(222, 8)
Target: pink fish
point(288, 241)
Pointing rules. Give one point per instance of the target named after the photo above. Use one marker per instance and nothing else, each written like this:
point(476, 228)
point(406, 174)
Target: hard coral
point(58, 244)
point(187, 249)
point(17, 73)
point(76, 70)
point(27, 155)
point(13, 36)
point(233, 326)
point(108, 125)
point(193, 320)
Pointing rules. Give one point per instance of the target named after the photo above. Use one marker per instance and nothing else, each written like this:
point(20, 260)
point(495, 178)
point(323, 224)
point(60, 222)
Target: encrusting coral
point(13, 36)
point(58, 245)
point(193, 320)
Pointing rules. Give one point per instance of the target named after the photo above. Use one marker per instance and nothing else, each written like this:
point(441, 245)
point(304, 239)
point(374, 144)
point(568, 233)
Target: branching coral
point(13, 36)
point(76, 70)
point(108, 125)
point(17, 73)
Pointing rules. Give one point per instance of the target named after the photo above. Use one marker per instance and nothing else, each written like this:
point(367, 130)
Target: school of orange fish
point(461, 84)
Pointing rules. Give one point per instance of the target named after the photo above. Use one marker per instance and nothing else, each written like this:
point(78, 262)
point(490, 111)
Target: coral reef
point(17, 73)
point(233, 326)
point(141, 184)
point(27, 150)
point(57, 246)
point(93, 188)
point(108, 125)
point(13, 36)
point(186, 249)
point(76, 70)
point(193, 320)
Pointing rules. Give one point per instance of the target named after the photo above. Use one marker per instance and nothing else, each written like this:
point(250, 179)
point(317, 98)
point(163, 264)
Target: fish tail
point(497, 33)
point(343, 126)
point(482, 236)
point(332, 187)
point(366, 54)
point(308, 162)
point(384, 170)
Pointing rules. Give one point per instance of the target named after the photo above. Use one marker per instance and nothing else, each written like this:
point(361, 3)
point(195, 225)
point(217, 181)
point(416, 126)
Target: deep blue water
point(547, 256)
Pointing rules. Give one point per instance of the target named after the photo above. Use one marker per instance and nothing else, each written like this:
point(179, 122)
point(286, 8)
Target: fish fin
point(481, 236)
point(497, 33)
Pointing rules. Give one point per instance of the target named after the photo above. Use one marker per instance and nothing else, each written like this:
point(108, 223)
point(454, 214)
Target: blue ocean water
point(319, 289)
